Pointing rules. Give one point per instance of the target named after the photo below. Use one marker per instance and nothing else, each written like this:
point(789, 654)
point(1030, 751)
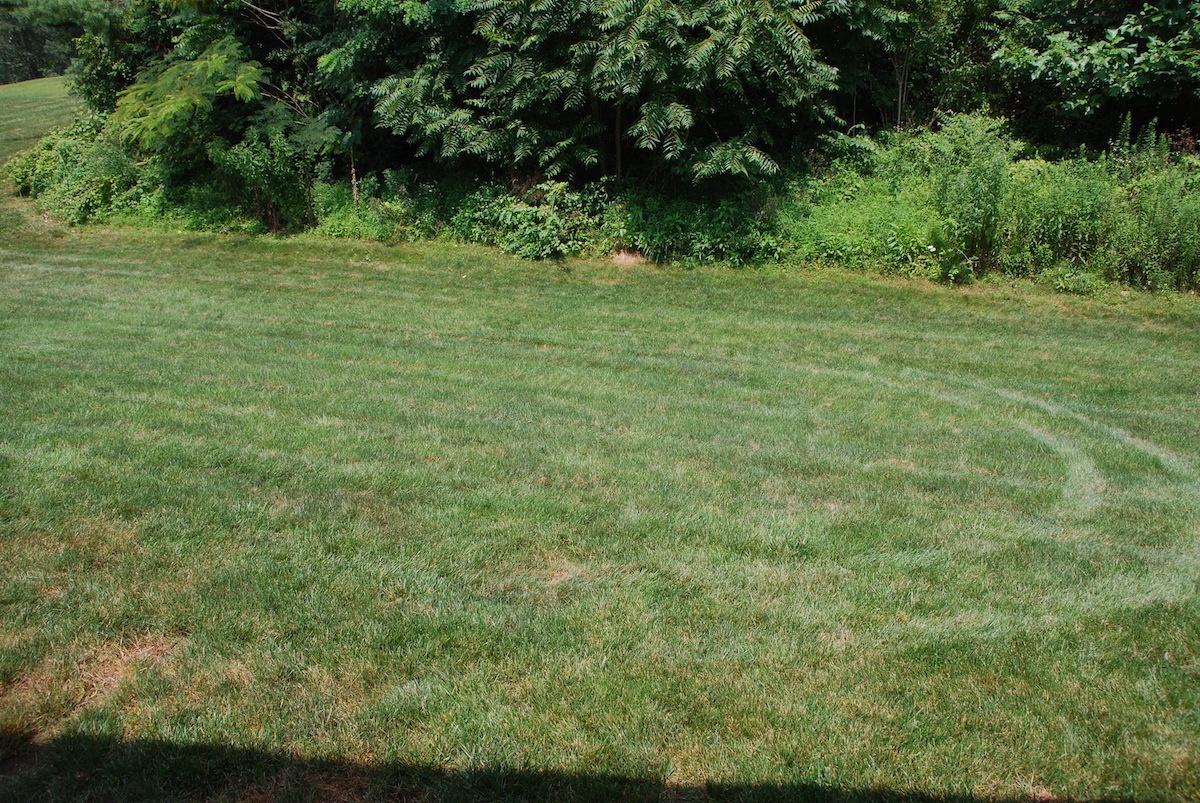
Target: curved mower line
point(1085, 484)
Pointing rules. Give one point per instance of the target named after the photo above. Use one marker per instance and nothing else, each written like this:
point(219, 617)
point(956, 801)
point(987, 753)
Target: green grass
point(284, 513)
point(30, 109)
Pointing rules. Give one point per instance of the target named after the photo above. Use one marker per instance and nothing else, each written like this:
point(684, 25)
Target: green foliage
point(559, 88)
point(170, 103)
point(119, 40)
point(1094, 53)
point(547, 220)
point(550, 219)
point(1056, 215)
point(955, 201)
point(735, 228)
point(29, 46)
point(1157, 235)
point(865, 222)
point(969, 167)
point(369, 218)
point(268, 177)
point(930, 195)
point(78, 173)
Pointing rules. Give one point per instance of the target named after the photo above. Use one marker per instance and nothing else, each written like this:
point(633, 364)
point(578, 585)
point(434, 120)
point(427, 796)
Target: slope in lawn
point(29, 109)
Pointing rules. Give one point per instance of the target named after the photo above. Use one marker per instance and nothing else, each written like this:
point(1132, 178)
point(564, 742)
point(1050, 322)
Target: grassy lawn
point(29, 109)
point(293, 519)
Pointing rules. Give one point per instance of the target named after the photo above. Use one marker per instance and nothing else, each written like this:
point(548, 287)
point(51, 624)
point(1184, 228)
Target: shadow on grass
point(97, 769)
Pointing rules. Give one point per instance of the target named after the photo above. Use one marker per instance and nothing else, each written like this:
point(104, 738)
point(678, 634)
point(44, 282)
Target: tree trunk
point(617, 141)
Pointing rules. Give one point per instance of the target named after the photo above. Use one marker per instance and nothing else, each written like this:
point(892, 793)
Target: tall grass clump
point(1057, 218)
point(970, 162)
point(862, 220)
point(1156, 233)
point(961, 201)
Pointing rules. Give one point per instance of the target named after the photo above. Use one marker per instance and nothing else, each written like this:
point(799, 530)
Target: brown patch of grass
point(104, 669)
point(39, 702)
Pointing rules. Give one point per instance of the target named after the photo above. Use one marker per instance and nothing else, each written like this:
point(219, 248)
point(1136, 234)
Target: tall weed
point(970, 161)
point(1055, 216)
point(1156, 240)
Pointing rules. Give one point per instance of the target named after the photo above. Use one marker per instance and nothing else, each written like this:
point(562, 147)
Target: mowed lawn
point(294, 519)
point(28, 110)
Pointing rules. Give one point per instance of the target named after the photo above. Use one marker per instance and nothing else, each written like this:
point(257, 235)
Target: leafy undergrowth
point(296, 519)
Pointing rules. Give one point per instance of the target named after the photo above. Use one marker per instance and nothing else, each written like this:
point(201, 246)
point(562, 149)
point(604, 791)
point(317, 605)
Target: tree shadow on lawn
point(77, 767)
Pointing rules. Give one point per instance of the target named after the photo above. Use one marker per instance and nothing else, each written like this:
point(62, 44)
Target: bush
point(969, 170)
point(267, 178)
point(1056, 215)
point(76, 173)
point(945, 204)
point(547, 220)
point(738, 228)
point(369, 218)
point(865, 222)
point(1155, 241)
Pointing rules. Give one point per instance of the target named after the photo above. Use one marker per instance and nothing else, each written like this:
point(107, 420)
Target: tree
point(31, 46)
point(1089, 58)
point(560, 87)
point(901, 61)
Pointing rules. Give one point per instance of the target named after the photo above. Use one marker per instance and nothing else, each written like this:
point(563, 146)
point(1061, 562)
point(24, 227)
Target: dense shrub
point(866, 222)
point(266, 178)
point(551, 219)
point(739, 228)
point(957, 201)
point(1155, 242)
point(1056, 217)
point(969, 168)
point(77, 173)
point(546, 220)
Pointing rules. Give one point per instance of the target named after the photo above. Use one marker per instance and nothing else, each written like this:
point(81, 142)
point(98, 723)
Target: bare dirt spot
point(627, 257)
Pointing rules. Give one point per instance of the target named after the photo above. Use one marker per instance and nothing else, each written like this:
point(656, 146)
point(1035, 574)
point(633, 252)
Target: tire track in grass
point(1184, 556)
point(1168, 459)
point(1084, 485)
point(1155, 575)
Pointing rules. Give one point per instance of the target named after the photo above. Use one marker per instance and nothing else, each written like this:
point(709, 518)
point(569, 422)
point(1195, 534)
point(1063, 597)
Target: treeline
point(585, 88)
point(271, 103)
point(30, 47)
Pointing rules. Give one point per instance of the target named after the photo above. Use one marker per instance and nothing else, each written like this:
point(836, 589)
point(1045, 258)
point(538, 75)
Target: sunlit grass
point(431, 507)
point(29, 109)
